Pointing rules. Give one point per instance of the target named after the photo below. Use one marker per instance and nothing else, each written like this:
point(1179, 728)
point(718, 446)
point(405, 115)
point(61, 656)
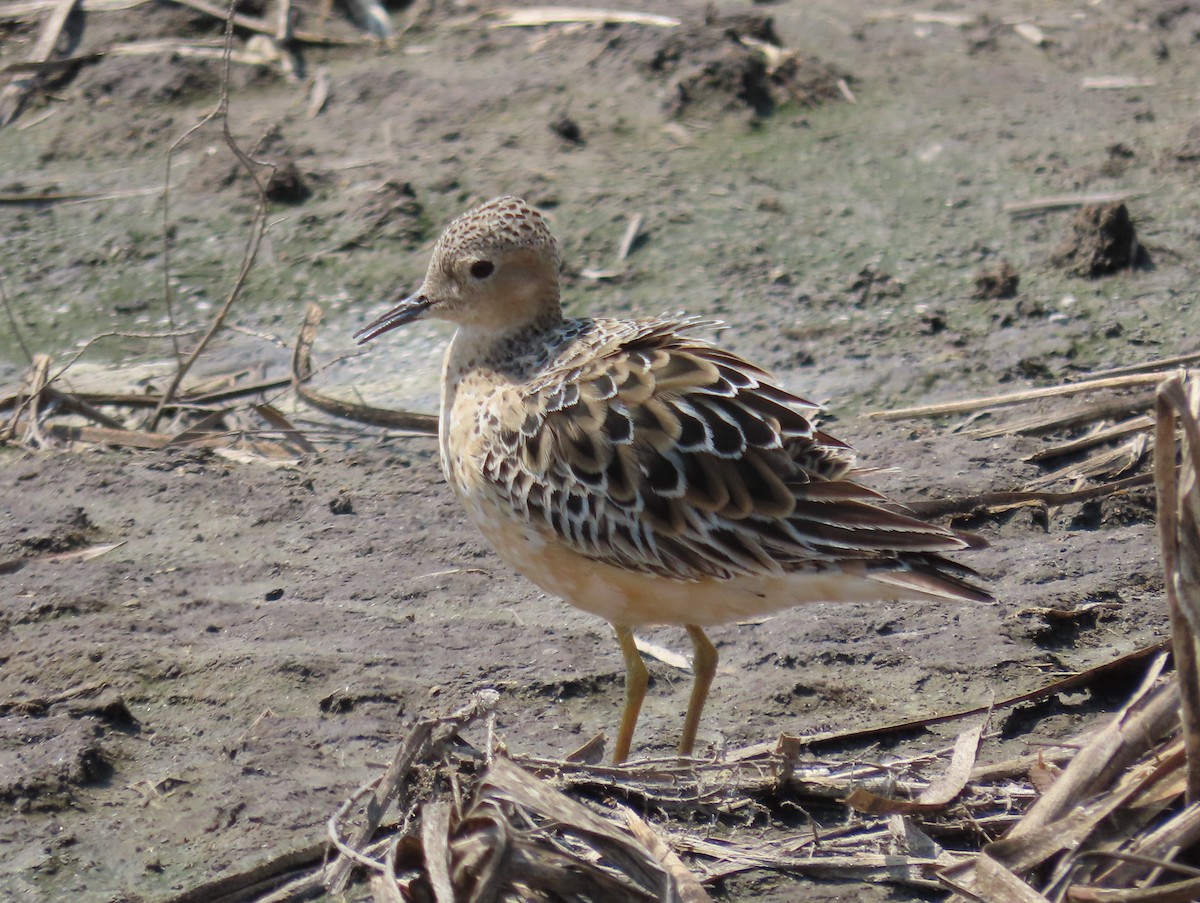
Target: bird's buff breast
point(633, 599)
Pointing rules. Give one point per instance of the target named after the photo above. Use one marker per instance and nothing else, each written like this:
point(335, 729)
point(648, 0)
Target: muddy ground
point(204, 695)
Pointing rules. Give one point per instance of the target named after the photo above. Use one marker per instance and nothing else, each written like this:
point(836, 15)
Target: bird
point(643, 473)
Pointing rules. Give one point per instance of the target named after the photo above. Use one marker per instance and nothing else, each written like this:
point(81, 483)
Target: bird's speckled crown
point(502, 223)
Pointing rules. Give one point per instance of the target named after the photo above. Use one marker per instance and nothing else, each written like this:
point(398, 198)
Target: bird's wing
point(665, 454)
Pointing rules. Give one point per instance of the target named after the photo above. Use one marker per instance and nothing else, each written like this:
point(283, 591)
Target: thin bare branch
point(257, 228)
point(409, 421)
point(12, 321)
point(12, 97)
point(1178, 544)
point(261, 26)
point(1013, 398)
point(999, 501)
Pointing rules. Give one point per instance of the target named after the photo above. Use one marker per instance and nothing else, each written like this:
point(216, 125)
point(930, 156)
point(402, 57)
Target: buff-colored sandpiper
point(641, 473)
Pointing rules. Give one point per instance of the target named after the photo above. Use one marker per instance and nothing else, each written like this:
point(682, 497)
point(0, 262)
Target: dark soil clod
point(110, 707)
point(287, 185)
point(567, 129)
point(717, 66)
point(1102, 242)
point(997, 280)
point(1188, 150)
point(391, 212)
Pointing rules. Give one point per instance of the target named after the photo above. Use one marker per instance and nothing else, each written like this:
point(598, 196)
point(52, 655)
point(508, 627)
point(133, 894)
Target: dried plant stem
point(1017, 498)
point(1130, 734)
point(1003, 401)
point(382, 792)
point(257, 230)
point(262, 26)
point(1181, 551)
point(409, 421)
point(1066, 201)
point(12, 322)
point(12, 98)
point(1161, 364)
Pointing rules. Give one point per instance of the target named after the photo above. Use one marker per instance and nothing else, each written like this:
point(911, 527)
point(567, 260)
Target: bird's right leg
point(637, 678)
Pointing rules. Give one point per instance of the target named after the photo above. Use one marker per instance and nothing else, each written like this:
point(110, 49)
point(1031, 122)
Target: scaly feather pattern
point(640, 445)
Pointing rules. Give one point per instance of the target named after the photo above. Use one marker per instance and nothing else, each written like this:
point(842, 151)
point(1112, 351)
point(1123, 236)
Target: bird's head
point(494, 268)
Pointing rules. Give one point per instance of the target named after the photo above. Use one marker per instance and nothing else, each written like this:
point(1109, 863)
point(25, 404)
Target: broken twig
point(409, 421)
point(1179, 537)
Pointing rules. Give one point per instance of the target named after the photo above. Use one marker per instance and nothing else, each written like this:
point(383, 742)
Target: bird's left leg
point(704, 666)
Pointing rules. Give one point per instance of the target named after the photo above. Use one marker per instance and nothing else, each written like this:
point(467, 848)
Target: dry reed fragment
point(1179, 538)
point(1014, 398)
point(12, 97)
point(568, 15)
point(302, 371)
point(1066, 202)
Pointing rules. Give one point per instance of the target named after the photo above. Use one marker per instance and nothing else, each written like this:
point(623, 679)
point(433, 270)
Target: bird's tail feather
point(931, 576)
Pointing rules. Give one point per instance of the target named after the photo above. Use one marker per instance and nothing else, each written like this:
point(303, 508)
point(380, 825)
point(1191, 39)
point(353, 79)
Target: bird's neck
point(499, 347)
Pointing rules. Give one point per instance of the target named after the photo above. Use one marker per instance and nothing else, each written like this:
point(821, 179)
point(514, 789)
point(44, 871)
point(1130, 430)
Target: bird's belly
point(633, 598)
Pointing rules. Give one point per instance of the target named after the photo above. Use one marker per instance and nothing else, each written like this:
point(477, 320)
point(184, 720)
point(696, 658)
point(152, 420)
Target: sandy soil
point(205, 694)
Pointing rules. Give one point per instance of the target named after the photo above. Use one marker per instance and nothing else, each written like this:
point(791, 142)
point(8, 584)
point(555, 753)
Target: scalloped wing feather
point(649, 449)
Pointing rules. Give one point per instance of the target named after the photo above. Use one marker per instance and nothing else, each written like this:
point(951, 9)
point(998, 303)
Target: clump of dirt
point(1188, 150)
point(50, 748)
point(1172, 16)
point(212, 175)
point(73, 530)
point(997, 280)
point(984, 35)
point(45, 760)
point(287, 184)
point(1058, 624)
point(737, 62)
point(810, 81)
point(1134, 507)
point(1102, 241)
point(568, 129)
point(871, 283)
point(1030, 368)
point(1117, 161)
point(392, 212)
point(144, 80)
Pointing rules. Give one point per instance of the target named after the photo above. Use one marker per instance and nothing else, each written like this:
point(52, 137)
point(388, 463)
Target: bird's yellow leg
point(704, 666)
point(637, 678)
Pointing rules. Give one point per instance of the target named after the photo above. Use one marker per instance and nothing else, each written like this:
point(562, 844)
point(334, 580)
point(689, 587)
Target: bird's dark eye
point(481, 269)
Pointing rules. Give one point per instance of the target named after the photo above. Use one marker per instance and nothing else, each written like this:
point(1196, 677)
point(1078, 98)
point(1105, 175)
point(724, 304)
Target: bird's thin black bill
point(411, 308)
